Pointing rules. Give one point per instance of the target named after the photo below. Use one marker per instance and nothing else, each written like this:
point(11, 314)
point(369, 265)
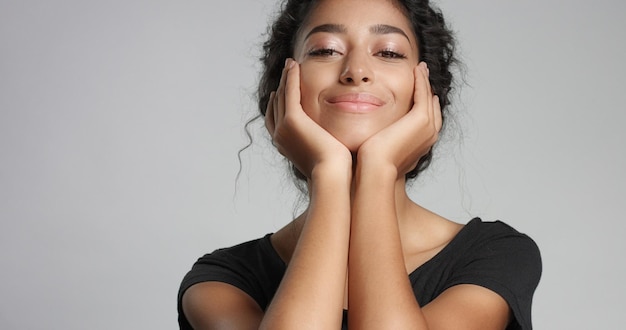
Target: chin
point(352, 133)
point(353, 147)
point(353, 141)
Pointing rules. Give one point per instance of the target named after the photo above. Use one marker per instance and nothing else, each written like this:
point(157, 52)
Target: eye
point(390, 54)
point(323, 52)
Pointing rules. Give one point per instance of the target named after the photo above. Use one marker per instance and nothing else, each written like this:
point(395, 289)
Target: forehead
point(357, 14)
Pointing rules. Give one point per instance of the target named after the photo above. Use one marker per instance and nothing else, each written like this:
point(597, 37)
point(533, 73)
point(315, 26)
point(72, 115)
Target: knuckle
point(290, 120)
point(280, 149)
point(434, 137)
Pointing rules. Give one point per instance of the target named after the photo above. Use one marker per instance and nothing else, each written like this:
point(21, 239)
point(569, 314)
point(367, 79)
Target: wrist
point(332, 173)
point(376, 173)
point(374, 165)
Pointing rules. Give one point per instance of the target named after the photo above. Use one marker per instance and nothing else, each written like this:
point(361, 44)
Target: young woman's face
point(357, 59)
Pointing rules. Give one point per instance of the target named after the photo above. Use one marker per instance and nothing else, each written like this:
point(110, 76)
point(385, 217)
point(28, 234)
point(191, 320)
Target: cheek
point(405, 89)
point(307, 89)
point(312, 83)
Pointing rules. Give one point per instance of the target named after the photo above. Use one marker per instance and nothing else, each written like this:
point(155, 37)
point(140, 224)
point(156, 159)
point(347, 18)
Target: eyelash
point(390, 54)
point(385, 53)
point(323, 52)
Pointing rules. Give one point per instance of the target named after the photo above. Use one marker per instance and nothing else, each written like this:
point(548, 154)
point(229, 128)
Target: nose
point(356, 70)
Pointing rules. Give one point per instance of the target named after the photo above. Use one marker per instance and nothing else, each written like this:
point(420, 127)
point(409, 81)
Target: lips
point(356, 102)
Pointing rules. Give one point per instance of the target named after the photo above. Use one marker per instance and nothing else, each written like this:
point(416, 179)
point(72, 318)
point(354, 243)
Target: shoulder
point(500, 251)
point(252, 269)
point(209, 305)
point(502, 259)
point(497, 237)
point(250, 266)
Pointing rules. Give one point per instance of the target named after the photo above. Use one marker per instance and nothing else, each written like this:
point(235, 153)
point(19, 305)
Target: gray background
point(120, 122)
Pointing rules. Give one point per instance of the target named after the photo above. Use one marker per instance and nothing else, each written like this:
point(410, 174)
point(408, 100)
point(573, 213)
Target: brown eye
point(391, 54)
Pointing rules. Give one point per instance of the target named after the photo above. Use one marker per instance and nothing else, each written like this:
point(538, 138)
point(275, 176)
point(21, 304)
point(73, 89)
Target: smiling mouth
point(356, 102)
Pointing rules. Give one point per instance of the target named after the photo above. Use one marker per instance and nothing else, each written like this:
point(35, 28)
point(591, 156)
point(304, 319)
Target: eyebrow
point(388, 29)
point(375, 29)
point(329, 28)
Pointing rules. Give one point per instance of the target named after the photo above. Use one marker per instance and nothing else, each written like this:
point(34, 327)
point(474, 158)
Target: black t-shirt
point(489, 254)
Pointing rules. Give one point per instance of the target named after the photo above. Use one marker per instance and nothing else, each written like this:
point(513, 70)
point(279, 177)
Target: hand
point(296, 136)
point(404, 142)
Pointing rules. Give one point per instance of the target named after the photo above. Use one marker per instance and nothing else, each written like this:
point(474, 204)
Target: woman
point(353, 93)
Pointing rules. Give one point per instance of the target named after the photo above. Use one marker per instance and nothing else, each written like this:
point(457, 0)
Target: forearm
point(311, 293)
point(380, 294)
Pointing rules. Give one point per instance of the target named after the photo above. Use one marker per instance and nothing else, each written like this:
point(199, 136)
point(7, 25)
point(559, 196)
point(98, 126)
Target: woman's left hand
point(404, 142)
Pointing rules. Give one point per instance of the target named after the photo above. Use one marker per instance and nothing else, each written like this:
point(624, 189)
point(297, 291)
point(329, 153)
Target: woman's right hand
point(296, 136)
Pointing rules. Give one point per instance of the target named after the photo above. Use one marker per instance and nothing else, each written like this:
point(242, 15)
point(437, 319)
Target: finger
point(438, 116)
point(433, 107)
point(433, 112)
point(428, 85)
point(420, 112)
point(427, 76)
point(429, 91)
point(280, 94)
point(270, 124)
point(292, 86)
point(422, 93)
point(275, 108)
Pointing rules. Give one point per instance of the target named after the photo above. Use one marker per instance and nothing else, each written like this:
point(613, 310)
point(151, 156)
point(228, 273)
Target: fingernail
point(288, 63)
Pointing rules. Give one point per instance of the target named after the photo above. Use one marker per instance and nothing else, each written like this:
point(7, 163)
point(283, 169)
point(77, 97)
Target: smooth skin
point(361, 234)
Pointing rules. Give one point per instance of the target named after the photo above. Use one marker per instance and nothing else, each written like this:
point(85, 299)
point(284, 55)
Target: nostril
point(351, 80)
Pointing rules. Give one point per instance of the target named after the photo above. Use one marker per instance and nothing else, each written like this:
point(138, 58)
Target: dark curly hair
point(436, 47)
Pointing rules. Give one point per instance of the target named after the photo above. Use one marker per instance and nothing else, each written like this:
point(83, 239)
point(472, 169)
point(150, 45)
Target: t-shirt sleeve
point(212, 267)
point(253, 267)
point(217, 267)
point(508, 264)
